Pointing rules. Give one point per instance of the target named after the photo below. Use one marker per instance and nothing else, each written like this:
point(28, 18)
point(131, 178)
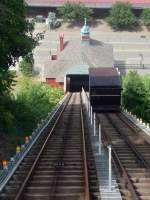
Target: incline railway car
point(105, 89)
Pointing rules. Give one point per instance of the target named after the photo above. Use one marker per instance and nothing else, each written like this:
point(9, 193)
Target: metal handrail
point(132, 66)
point(86, 178)
point(14, 162)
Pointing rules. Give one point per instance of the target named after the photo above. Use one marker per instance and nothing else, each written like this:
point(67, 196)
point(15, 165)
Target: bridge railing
point(86, 102)
point(132, 66)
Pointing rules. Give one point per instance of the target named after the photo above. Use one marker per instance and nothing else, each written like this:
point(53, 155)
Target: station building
point(74, 59)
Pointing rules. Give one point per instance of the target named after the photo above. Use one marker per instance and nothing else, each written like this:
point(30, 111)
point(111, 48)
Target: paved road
point(129, 48)
point(126, 47)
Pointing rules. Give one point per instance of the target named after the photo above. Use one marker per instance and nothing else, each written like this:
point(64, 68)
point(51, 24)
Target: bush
point(121, 16)
point(74, 11)
point(136, 95)
point(146, 81)
point(6, 120)
point(38, 99)
point(21, 114)
point(145, 16)
point(26, 65)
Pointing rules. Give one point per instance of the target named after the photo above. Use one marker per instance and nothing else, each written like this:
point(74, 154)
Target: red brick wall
point(52, 82)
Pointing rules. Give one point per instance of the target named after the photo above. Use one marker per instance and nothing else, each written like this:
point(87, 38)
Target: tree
point(146, 81)
point(26, 65)
point(16, 38)
point(145, 16)
point(121, 16)
point(134, 93)
point(31, 103)
point(74, 11)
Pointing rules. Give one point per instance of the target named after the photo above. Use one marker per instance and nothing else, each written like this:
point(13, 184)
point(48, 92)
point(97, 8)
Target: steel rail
point(57, 170)
point(131, 145)
point(117, 162)
point(124, 173)
point(7, 175)
point(146, 163)
point(129, 123)
point(86, 178)
point(25, 182)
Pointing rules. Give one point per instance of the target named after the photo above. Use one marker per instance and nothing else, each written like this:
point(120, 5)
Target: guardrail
point(15, 161)
point(132, 66)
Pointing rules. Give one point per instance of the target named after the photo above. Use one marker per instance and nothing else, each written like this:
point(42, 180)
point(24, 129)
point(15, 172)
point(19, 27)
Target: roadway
point(129, 48)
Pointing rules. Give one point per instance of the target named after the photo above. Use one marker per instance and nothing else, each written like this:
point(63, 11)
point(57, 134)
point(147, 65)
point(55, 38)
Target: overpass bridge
point(137, 4)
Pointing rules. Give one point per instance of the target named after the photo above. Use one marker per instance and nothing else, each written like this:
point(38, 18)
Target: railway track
point(61, 164)
point(131, 155)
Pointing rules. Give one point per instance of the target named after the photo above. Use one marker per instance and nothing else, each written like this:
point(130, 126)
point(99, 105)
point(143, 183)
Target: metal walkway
point(102, 173)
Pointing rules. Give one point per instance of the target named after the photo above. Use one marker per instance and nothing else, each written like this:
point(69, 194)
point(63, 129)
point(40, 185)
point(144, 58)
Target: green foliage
point(16, 38)
point(121, 16)
point(136, 95)
point(145, 16)
point(21, 114)
point(146, 81)
point(26, 65)
point(6, 117)
point(6, 81)
point(74, 11)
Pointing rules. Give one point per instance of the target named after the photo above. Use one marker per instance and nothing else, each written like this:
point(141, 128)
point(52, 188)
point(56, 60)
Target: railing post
point(87, 105)
point(100, 140)
point(94, 124)
point(110, 170)
point(89, 109)
point(91, 115)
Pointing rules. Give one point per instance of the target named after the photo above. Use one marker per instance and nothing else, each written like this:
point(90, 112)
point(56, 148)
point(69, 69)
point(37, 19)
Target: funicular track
point(130, 154)
point(58, 167)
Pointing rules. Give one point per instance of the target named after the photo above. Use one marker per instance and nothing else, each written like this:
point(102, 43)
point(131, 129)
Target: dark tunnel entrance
point(75, 82)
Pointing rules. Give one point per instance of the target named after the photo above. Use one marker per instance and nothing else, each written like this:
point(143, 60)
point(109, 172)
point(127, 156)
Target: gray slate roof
point(97, 54)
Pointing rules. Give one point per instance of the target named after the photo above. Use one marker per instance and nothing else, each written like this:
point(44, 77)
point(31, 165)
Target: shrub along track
point(130, 154)
point(59, 166)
